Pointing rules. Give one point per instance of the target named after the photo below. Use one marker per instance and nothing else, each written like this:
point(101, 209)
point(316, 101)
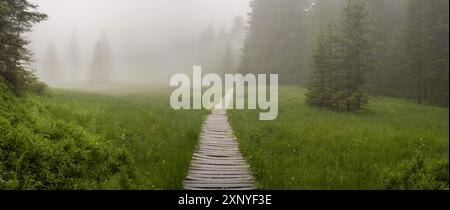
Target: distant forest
point(344, 50)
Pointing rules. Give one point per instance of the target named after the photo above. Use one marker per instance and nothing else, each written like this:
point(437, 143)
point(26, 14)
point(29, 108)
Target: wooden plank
point(196, 161)
point(218, 154)
point(219, 162)
point(211, 182)
point(205, 172)
point(219, 177)
point(198, 155)
point(210, 165)
point(200, 165)
point(217, 149)
point(242, 188)
point(219, 185)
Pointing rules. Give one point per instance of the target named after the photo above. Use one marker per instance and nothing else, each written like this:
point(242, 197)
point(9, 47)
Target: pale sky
point(153, 27)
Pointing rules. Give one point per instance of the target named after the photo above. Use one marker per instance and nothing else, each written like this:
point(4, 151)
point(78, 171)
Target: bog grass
point(145, 144)
point(314, 148)
point(159, 139)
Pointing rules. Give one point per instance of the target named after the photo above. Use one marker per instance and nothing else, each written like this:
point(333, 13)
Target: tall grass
point(160, 140)
point(315, 148)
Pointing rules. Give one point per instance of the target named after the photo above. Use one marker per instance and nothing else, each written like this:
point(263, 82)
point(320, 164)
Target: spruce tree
point(259, 48)
point(321, 78)
point(101, 67)
point(354, 57)
point(16, 18)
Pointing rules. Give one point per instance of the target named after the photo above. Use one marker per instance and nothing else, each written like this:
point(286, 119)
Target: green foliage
point(320, 81)
point(74, 140)
point(32, 84)
point(418, 174)
point(39, 152)
point(159, 140)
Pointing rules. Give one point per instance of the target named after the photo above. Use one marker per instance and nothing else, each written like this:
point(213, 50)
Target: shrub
point(418, 174)
point(37, 152)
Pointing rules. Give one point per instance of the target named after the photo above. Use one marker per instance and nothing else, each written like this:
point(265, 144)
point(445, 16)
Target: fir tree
point(354, 57)
point(16, 18)
point(321, 79)
point(101, 67)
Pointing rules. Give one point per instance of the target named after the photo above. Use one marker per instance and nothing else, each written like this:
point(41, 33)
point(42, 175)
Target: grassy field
point(313, 148)
point(143, 143)
point(159, 139)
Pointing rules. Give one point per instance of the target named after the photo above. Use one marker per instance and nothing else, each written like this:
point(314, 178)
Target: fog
point(134, 40)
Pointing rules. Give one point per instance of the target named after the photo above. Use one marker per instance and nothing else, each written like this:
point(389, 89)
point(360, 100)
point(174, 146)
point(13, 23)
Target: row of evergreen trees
point(99, 72)
point(276, 40)
point(426, 48)
point(219, 52)
point(355, 47)
point(17, 18)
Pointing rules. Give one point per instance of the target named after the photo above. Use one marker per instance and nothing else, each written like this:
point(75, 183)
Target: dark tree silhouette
point(51, 67)
point(276, 39)
point(101, 67)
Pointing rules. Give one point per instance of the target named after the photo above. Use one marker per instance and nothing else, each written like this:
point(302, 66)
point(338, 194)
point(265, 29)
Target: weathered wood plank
point(218, 167)
point(194, 177)
point(220, 185)
point(241, 188)
point(214, 157)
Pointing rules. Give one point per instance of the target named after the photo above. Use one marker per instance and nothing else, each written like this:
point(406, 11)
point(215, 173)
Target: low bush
point(418, 174)
point(37, 152)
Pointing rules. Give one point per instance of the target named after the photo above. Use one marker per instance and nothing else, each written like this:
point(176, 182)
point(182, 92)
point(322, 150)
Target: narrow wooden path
point(217, 164)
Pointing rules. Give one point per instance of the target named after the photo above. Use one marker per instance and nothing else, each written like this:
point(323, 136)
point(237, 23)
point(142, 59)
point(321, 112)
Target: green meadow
point(132, 139)
point(393, 144)
point(110, 139)
point(159, 139)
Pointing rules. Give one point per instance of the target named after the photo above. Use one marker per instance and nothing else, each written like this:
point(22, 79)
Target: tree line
point(100, 70)
point(17, 18)
point(345, 50)
point(219, 51)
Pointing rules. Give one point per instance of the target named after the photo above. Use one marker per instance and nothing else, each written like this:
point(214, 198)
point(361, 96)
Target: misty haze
point(292, 95)
point(143, 41)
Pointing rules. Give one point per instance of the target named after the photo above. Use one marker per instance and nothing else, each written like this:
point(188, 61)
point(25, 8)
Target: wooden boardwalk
point(217, 164)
